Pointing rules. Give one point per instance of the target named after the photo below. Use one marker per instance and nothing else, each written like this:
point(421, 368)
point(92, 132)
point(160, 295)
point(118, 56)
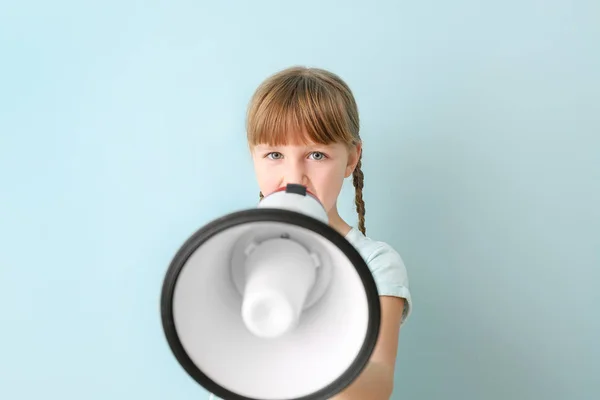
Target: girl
point(303, 127)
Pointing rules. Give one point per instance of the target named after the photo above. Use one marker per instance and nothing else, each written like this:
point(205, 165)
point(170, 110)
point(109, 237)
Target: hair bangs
point(296, 110)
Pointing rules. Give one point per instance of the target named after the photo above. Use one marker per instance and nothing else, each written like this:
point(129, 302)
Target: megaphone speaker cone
point(279, 275)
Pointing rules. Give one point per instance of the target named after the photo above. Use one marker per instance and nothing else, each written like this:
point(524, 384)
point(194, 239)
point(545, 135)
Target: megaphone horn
point(271, 303)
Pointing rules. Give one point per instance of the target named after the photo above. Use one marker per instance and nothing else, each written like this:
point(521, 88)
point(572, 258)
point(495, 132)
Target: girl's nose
point(295, 176)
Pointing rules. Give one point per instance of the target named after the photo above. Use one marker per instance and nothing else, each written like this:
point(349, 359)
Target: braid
point(260, 196)
point(358, 179)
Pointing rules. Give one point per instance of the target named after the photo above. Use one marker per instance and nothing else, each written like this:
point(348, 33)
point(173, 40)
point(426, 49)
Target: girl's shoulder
point(386, 266)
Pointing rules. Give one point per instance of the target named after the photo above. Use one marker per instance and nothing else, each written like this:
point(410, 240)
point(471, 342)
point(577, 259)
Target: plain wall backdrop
point(122, 132)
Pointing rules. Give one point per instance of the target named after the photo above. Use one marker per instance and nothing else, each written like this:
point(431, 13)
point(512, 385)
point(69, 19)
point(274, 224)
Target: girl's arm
point(376, 382)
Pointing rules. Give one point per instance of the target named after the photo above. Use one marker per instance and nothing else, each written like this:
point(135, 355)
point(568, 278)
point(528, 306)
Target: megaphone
point(271, 303)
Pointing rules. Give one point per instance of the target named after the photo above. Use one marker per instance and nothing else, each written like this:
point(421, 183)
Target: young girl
point(303, 127)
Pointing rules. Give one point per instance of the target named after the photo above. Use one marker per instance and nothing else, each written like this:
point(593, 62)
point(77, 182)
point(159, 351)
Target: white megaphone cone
point(271, 303)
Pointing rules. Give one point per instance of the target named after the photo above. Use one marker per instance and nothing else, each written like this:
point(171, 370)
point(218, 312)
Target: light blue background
point(121, 132)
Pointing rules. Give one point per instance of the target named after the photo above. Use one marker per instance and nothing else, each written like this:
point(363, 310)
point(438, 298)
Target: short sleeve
point(390, 275)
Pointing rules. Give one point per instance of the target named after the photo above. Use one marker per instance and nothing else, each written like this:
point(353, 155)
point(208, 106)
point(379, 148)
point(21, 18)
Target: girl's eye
point(274, 155)
point(318, 156)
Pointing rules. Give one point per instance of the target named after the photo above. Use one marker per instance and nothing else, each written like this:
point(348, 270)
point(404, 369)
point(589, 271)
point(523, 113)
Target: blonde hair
point(310, 100)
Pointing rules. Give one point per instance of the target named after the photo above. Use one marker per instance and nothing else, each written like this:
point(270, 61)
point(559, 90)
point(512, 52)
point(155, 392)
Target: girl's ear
point(355, 152)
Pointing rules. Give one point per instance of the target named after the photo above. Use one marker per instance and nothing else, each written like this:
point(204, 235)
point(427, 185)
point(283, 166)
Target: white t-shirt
point(386, 265)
